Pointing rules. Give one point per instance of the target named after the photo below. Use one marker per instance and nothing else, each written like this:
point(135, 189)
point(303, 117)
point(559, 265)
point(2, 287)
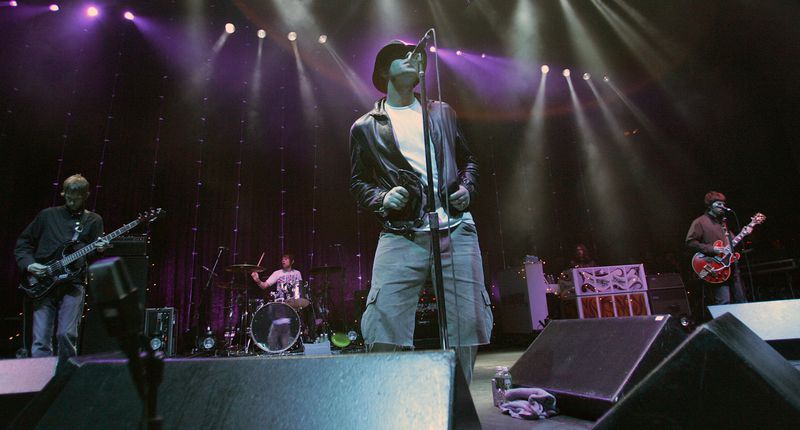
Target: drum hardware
point(275, 327)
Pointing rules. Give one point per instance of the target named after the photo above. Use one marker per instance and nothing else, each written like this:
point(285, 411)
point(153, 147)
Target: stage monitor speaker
point(777, 322)
point(94, 337)
point(20, 380)
point(410, 390)
point(722, 377)
point(590, 364)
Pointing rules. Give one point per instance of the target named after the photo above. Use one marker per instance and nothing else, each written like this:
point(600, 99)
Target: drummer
point(286, 275)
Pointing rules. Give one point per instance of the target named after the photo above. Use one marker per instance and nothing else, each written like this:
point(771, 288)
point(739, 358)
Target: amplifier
point(129, 245)
point(159, 327)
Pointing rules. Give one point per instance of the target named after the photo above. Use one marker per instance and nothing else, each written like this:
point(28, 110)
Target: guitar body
point(714, 269)
point(56, 274)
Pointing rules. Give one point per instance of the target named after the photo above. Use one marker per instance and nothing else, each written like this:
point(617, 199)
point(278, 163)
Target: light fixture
point(605, 79)
point(322, 38)
point(92, 11)
point(432, 49)
point(128, 15)
point(261, 34)
point(459, 53)
point(292, 36)
point(483, 55)
point(54, 7)
point(566, 73)
point(230, 28)
point(586, 76)
point(545, 69)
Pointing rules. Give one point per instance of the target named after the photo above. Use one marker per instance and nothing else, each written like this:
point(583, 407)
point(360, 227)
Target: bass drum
point(275, 327)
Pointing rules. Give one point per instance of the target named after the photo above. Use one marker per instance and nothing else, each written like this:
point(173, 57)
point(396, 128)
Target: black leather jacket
point(377, 165)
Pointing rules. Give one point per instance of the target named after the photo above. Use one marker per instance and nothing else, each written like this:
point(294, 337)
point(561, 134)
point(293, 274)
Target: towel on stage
point(529, 404)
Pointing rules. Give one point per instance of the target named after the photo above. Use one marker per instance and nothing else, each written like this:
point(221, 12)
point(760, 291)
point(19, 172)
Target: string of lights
point(282, 236)
point(109, 119)
point(156, 147)
point(497, 205)
point(201, 140)
point(65, 135)
point(314, 176)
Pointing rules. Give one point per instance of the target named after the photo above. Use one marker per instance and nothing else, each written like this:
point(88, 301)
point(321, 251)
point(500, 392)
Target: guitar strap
point(79, 227)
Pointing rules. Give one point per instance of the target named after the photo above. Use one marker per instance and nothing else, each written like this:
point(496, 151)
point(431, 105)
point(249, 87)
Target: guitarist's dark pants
point(60, 310)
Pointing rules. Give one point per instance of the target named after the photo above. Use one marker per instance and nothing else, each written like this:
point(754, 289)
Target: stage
point(490, 416)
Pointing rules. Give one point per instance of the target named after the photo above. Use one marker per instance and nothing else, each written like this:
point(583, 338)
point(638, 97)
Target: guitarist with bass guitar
point(709, 238)
point(43, 240)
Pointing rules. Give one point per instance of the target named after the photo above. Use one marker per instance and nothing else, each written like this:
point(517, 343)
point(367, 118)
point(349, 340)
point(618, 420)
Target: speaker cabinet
point(667, 294)
point(722, 377)
point(590, 364)
point(411, 390)
point(20, 380)
point(777, 322)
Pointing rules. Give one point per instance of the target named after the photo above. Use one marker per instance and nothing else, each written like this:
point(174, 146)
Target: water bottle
point(500, 384)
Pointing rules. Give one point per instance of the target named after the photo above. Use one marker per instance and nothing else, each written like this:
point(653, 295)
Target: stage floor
point(490, 416)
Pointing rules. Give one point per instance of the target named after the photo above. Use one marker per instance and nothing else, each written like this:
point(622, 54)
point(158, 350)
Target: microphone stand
point(433, 218)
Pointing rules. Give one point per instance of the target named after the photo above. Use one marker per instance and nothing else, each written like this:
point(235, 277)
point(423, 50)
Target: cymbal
point(231, 285)
point(325, 270)
point(244, 268)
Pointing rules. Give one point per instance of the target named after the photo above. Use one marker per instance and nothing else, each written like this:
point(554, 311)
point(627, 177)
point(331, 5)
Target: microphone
point(117, 297)
point(416, 54)
point(725, 208)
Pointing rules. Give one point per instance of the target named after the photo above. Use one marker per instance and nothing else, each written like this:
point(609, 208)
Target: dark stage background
point(244, 142)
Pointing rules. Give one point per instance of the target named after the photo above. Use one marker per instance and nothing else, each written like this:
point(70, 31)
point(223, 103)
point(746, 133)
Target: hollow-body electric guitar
point(70, 266)
point(716, 269)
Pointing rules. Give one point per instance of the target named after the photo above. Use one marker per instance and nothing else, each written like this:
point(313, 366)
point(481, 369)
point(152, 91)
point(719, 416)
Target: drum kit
point(274, 322)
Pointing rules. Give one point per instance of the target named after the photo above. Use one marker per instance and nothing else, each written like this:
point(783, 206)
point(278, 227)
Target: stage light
point(207, 341)
point(92, 11)
point(12, 3)
point(432, 49)
point(566, 73)
point(128, 15)
point(292, 36)
point(545, 69)
point(459, 53)
point(261, 34)
point(54, 7)
point(483, 55)
point(586, 76)
point(605, 79)
point(230, 28)
point(322, 38)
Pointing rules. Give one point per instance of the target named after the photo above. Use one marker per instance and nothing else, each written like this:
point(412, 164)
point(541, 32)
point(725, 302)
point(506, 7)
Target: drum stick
point(260, 259)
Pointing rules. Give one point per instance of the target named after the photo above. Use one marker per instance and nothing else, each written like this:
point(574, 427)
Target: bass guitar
point(716, 269)
point(70, 266)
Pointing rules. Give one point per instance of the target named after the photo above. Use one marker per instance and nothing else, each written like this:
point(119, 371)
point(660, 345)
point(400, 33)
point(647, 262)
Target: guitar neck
point(742, 234)
point(86, 250)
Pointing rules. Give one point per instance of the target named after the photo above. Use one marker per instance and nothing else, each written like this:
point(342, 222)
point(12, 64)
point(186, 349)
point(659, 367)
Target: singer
point(388, 176)
point(704, 231)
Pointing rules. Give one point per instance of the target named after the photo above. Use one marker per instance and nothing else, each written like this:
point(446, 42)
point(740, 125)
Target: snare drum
point(275, 327)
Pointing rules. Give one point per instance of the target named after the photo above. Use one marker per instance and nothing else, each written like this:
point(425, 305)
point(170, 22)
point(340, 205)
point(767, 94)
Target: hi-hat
point(244, 268)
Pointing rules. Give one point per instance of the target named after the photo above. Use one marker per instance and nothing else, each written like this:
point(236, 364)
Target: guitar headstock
point(151, 215)
point(758, 218)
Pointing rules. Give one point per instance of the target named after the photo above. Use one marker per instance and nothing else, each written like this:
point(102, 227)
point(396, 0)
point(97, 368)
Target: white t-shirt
point(408, 132)
point(286, 276)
